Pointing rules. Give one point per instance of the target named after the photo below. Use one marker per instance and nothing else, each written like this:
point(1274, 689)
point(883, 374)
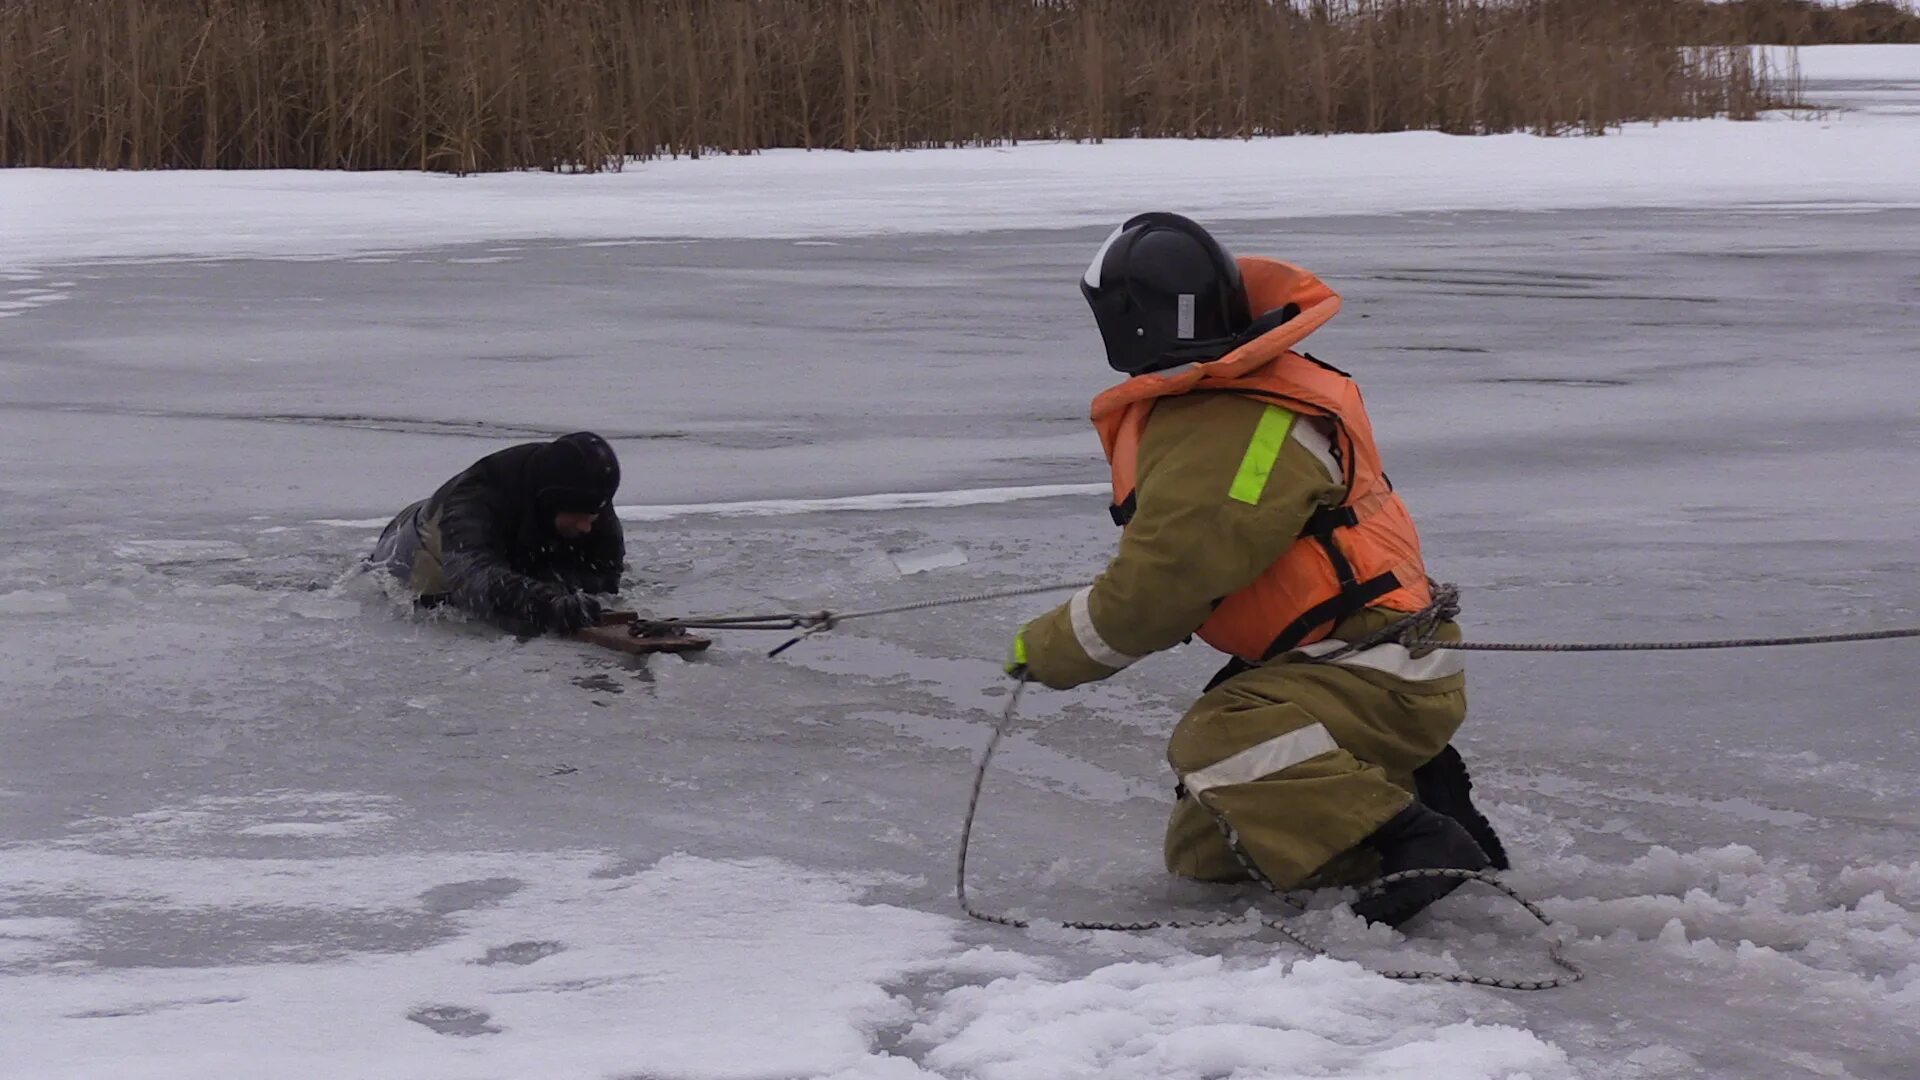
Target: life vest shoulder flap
point(1363, 553)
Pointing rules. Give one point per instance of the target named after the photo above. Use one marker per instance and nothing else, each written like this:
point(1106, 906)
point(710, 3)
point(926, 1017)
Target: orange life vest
point(1363, 553)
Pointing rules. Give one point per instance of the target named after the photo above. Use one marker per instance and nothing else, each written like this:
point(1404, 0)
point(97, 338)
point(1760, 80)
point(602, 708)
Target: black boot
point(1447, 789)
point(1417, 839)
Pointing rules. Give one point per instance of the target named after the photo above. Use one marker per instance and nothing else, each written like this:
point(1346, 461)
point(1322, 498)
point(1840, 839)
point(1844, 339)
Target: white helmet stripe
point(1100, 257)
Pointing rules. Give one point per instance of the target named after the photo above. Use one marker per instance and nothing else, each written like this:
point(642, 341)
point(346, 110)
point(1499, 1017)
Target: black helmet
point(1165, 293)
point(574, 473)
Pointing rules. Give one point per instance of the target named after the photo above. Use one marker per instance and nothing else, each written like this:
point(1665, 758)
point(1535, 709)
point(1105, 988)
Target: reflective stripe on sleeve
point(1263, 759)
point(1091, 642)
point(1393, 659)
point(1262, 452)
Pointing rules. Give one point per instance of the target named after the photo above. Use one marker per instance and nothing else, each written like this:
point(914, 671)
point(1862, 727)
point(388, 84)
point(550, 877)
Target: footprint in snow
point(460, 896)
point(457, 1020)
point(521, 953)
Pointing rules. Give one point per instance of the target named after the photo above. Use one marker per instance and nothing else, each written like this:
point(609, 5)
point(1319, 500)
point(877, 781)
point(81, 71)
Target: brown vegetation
point(474, 85)
point(1800, 22)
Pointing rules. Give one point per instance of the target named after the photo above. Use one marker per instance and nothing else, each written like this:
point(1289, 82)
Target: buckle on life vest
point(1321, 527)
point(1328, 518)
point(1123, 512)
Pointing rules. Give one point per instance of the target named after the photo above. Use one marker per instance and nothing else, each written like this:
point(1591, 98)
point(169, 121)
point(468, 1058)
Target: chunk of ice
point(921, 560)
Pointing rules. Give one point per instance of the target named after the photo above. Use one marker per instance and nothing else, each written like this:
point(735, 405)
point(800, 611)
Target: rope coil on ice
point(1413, 631)
point(1572, 971)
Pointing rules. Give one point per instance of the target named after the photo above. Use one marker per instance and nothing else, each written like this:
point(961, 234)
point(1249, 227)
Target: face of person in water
point(572, 525)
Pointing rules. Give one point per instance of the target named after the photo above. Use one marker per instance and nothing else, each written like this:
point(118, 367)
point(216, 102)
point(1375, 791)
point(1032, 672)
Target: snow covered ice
point(255, 823)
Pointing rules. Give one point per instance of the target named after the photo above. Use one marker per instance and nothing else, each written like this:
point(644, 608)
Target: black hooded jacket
point(485, 542)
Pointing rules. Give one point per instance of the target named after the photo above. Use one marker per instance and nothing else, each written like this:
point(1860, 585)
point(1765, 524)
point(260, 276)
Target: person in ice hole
point(525, 538)
point(1257, 515)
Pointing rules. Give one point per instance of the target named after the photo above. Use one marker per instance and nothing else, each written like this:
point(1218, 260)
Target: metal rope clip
point(818, 623)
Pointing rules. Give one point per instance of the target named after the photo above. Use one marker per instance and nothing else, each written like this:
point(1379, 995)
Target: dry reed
point(1799, 22)
point(477, 85)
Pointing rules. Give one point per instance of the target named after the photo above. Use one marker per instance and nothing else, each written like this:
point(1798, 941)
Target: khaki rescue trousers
point(1304, 759)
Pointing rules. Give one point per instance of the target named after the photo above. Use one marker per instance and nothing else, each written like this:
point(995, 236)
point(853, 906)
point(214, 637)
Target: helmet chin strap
point(1200, 352)
point(1266, 324)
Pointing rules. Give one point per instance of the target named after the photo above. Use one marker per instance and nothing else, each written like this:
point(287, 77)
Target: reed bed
point(1799, 22)
point(479, 85)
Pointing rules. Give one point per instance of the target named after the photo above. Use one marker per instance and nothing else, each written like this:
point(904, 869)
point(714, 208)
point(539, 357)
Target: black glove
point(569, 612)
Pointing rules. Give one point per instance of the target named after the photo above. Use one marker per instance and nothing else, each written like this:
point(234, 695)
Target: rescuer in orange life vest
point(1256, 515)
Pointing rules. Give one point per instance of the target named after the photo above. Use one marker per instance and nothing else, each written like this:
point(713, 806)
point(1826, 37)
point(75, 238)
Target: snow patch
point(1205, 1018)
point(210, 817)
point(35, 602)
point(25, 938)
point(20, 301)
point(179, 552)
point(298, 829)
point(693, 968)
point(1845, 63)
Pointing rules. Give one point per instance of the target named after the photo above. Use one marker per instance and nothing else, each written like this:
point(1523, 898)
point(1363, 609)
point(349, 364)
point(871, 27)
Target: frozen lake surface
point(256, 822)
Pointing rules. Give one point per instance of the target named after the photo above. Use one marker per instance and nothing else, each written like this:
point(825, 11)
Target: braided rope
point(965, 598)
point(1573, 973)
point(1663, 646)
point(1413, 631)
point(966, 844)
point(798, 620)
point(1443, 606)
point(819, 622)
point(1299, 937)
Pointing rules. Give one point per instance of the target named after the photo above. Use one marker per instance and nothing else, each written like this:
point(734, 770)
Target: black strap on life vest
point(1354, 596)
point(1344, 604)
point(1328, 518)
point(1321, 527)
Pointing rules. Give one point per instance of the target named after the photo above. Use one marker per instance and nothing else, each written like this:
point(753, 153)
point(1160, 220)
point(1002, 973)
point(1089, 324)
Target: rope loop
point(1572, 971)
point(1414, 631)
